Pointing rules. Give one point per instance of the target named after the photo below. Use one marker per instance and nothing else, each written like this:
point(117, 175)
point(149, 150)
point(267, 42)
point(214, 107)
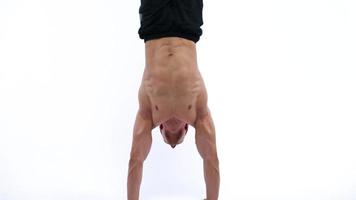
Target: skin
point(173, 96)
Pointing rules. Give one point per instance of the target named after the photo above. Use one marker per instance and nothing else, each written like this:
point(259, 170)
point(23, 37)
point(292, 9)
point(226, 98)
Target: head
point(173, 132)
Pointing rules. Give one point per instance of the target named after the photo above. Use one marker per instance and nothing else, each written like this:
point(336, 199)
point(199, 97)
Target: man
point(172, 94)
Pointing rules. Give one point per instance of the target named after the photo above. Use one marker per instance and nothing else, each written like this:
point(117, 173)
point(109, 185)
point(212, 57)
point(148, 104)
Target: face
point(173, 135)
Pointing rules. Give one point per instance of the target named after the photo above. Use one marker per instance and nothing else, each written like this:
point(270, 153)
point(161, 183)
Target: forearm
point(212, 178)
point(134, 179)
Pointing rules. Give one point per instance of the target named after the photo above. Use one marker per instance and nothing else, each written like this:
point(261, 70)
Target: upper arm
point(141, 138)
point(205, 137)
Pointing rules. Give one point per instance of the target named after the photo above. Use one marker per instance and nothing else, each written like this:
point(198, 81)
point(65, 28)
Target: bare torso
point(172, 86)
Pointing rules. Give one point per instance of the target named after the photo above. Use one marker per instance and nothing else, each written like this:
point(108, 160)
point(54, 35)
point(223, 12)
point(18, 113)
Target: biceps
point(206, 146)
point(141, 145)
point(142, 138)
point(205, 139)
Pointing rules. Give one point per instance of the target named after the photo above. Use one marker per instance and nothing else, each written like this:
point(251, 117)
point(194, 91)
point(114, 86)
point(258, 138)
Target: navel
point(156, 107)
point(189, 107)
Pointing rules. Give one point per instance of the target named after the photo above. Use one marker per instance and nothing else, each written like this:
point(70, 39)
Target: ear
point(161, 128)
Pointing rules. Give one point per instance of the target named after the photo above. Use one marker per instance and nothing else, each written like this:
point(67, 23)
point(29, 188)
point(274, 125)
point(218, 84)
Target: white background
point(281, 77)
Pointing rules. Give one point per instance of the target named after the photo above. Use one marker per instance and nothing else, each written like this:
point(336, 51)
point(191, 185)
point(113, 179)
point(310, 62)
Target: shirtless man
point(172, 94)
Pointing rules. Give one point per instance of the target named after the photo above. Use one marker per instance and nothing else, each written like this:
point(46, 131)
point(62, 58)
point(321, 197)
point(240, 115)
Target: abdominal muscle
point(172, 81)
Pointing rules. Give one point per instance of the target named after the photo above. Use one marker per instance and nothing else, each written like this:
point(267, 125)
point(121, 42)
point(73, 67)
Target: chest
point(173, 102)
point(173, 99)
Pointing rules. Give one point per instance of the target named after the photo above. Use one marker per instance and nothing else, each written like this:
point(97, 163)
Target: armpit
point(144, 104)
point(201, 105)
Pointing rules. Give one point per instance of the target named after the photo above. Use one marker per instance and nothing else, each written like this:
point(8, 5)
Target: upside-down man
point(172, 94)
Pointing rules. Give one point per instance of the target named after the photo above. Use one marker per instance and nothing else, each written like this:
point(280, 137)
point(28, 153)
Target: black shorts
point(171, 18)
